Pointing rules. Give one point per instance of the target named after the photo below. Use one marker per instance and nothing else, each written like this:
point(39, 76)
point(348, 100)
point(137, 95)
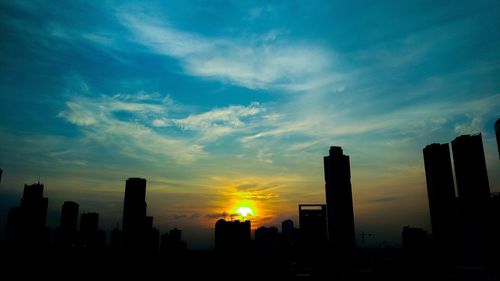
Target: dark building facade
point(497, 133)
point(89, 230)
point(172, 243)
point(66, 234)
point(232, 236)
point(26, 223)
point(473, 194)
point(441, 195)
point(339, 206)
point(470, 169)
point(415, 241)
point(134, 214)
point(313, 225)
point(287, 229)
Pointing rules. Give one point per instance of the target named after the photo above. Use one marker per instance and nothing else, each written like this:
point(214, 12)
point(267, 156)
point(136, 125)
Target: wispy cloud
point(215, 123)
point(100, 121)
point(259, 62)
point(142, 123)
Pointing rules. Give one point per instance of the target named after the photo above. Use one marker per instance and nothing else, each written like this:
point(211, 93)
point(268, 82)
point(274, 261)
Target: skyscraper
point(470, 170)
point(497, 133)
point(134, 213)
point(441, 194)
point(339, 207)
point(89, 223)
point(473, 193)
point(26, 224)
point(65, 235)
point(69, 216)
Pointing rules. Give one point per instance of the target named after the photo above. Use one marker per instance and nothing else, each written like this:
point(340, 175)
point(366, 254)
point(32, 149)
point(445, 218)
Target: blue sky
point(223, 103)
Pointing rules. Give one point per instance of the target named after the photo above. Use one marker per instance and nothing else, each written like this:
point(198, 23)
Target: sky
point(223, 104)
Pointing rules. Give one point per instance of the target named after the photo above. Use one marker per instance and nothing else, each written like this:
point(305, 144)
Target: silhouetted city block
point(339, 207)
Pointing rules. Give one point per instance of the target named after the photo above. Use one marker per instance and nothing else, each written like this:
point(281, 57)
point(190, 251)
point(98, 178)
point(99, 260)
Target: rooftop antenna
point(38, 179)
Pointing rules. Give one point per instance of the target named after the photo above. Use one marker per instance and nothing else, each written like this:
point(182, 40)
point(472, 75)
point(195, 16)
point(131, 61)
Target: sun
point(244, 211)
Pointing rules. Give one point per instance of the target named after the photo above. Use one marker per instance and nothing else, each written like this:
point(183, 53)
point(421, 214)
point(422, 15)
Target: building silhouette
point(90, 235)
point(473, 193)
point(441, 195)
point(497, 133)
point(313, 225)
point(26, 223)
point(115, 242)
point(232, 236)
point(415, 241)
point(172, 243)
point(339, 206)
point(135, 224)
point(65, 235)
point(288, 230)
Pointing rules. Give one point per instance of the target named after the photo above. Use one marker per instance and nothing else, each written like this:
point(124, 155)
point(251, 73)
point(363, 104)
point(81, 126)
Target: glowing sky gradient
point(224, 104)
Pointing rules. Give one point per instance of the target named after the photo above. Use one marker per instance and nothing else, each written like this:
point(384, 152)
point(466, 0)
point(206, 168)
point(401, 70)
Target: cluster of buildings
point(26, 225)
point(321, 225)
point(466, 225)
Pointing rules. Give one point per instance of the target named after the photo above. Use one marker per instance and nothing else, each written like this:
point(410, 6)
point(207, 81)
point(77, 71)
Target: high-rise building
point(134, 213)
point(473, 195)
point(89, 226)
point(313, 226)
point(497, 133)
point(65, 235)
point(69, 216)
point(470, 169)
point(287, 229)
point(26, 224)
point(339, 206)
point(232, 236)
point(441, 195)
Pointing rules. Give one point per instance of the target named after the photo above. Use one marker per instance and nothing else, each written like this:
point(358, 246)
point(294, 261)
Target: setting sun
point(244, 211)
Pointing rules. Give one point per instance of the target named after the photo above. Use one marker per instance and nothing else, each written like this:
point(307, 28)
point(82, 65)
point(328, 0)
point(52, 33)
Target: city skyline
point(318, 224)
point(232, 104)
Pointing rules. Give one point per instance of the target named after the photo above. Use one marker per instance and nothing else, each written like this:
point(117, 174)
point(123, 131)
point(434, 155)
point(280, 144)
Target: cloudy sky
point(221, 104)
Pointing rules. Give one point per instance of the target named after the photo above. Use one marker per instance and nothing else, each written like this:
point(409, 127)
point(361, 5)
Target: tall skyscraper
point(473, 193)
point(339, 207)
point(470, 170)
point(134, 213)
point(497, 133)
point(441, 194)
